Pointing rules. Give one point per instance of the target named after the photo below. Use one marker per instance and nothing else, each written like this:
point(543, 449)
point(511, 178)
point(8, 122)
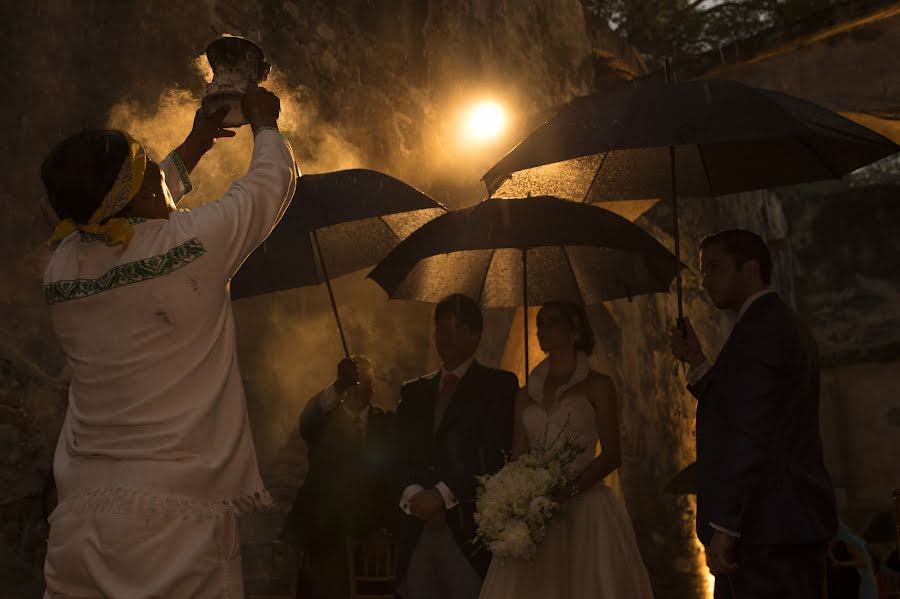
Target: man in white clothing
point(155, 458)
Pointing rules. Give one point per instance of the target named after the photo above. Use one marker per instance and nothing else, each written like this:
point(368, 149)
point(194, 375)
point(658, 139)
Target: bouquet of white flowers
point(514, 506)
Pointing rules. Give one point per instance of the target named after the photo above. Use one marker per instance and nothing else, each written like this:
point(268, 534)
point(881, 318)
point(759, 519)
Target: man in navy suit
point(454, 425)
point(765, 505)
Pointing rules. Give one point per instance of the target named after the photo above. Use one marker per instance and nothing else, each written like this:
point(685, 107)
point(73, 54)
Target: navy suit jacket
point(473, 438)
point(759, 452)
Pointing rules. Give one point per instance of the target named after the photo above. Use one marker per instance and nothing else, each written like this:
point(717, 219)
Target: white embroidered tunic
point(157, 417)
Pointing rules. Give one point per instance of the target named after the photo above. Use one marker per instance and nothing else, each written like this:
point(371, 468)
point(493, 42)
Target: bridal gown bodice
point(569, 417)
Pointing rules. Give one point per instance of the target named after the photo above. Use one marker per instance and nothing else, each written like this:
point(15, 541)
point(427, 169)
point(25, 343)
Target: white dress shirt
point(447, 495)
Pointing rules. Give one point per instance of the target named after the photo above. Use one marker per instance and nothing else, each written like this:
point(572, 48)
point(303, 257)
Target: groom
point(454, 425)
point(765, 505)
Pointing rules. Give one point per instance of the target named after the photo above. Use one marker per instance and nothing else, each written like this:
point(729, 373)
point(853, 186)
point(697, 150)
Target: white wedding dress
point(590, 550)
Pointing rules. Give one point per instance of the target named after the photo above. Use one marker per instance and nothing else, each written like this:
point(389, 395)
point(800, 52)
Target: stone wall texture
point(381, 85)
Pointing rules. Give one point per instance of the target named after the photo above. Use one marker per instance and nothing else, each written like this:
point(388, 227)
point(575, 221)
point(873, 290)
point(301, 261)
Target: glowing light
point(485, 121)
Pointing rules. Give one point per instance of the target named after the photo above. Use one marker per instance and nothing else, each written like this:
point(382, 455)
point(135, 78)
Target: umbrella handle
point(334, 308)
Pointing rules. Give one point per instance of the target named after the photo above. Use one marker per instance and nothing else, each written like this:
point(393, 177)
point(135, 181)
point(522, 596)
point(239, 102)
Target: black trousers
point(776, 572)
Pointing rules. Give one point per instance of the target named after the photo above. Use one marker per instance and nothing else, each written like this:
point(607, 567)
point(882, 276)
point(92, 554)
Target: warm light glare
point(485, 121)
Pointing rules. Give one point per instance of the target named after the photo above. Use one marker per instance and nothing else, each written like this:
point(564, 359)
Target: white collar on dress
point(539, 376)
point(749, 301)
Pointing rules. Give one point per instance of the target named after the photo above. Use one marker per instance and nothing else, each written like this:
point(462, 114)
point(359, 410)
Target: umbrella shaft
point(525, 305)
point(677, 237)
point(337, 317)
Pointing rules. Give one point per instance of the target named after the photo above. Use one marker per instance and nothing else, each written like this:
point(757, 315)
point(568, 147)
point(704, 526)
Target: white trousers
point(129, 556)
point(438, 569)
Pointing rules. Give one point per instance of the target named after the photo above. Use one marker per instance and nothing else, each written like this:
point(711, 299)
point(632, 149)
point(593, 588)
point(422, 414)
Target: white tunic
point(157, 417)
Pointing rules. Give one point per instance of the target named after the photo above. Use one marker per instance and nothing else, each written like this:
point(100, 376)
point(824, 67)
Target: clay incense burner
point(235, 62)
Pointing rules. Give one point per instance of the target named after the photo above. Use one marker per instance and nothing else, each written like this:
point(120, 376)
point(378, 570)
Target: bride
point(589, 550)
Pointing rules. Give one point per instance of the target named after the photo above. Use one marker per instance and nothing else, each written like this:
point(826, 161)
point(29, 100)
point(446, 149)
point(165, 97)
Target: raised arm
point(686, 348)
point(180, 162)
point(233, 226)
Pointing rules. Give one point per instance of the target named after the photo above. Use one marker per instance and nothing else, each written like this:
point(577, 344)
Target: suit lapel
point(757, 308)
point(458, 399)
point(430, 388)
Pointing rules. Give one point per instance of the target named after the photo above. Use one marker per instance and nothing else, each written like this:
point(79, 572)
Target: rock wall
point(364, 84)
point(381, 85)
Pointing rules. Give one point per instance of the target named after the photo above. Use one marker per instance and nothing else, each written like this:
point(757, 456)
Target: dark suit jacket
point(349, 488)
point(759, 452)
point(474, 438)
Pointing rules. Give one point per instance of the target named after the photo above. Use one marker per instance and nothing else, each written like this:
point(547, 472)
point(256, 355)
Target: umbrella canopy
point(698, 138)
point(570, 252)
point(358, 216)
point(727, 137)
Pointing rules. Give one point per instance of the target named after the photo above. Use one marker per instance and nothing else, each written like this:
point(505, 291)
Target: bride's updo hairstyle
point(577, 318)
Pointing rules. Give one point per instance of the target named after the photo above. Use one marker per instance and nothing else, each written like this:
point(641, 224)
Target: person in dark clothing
point(454, 424)
point(348, 494)
point(765, 505)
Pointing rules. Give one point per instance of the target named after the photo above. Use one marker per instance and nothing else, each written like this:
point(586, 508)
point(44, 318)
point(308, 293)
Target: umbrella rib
point(388, 227)
point(484, 278)
point(834, 173)
point(596, 174)
point(572, 270)
point(705, 169)
point(843, 133)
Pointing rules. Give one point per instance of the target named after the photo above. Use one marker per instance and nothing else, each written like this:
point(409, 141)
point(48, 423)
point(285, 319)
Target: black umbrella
point(697, 138)
point(505, 253)
point(338, 223)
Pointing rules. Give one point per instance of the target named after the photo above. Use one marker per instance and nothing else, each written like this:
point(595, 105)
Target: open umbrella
point(526, 251)
point(338, 223)
point(696, 138)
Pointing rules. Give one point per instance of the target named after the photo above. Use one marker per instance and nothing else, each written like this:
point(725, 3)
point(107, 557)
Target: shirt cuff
point(698, 372)
point(184, 178)
point(727, 531)
point(408, 493)
point(329, 399)
point(450, 500)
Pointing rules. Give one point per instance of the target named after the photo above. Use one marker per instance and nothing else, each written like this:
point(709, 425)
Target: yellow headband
point(116, 231)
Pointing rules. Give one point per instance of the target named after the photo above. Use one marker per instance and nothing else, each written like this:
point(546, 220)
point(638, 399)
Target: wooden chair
point(893, 586)
point(896, 496)
point(373, 568)
point(278, 563)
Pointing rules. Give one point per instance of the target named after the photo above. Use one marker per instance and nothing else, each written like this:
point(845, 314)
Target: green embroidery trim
point(182, 172)
point(126, 274)
point(90, 237)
